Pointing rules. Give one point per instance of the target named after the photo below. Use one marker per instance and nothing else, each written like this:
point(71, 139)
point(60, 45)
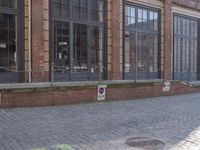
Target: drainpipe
point(30, 42)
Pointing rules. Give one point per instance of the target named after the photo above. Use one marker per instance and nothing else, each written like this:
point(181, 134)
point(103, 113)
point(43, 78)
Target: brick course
point(81, 94)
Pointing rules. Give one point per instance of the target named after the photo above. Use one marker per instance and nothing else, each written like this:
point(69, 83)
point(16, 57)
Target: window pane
point(65, 8)
point(185, 50)
point(8, 3)
point(130, 48)
point(7, 42)
point(155, 21)
point(57, 8)
point(62, 47)
point(141, 48)
point(76, 9)
point(151, 20)
point(82, 29)
point(80, 48)
point(94, 49)
point(83, 9)
point(139, 13)
point(94, 10)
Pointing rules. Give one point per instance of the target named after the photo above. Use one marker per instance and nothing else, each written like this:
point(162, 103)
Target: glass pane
point(94, 49)
point(8, 3)
point(141, 48)
point(3, 20)
point(12, 57)
point(130, 49)
point(62, 47)
point(151, 20)
point(83, 9)
point(12, 4)
point(7, 42)
point(185, 50)
point(94, 10)
point(175, 25)
point(142, 53)
point(155, 21)
point(139, 13)
point(65, 8)
point(145, 21)
point(80, 63)
point(76, 9)
point(101, 10)
point(144, 14)
point(57, 8)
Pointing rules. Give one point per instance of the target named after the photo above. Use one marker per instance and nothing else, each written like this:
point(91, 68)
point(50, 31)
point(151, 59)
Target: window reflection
point(8, 3)
point(185, 48)
point(141, 43)
point(7, 42)
point(80, 48)
point(62, 45)
point(78, 38)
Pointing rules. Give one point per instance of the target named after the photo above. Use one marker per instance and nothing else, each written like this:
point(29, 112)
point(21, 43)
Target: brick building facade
point(76, 41)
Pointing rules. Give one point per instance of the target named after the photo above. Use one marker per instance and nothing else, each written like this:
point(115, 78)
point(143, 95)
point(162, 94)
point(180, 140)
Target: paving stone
point(175, 120)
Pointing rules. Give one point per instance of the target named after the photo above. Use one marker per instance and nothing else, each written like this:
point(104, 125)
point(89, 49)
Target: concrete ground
point(103, 126)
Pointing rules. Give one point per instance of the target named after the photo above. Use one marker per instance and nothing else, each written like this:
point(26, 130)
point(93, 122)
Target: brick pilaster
point(40, 40)
point(168, 69)
point(116, 45)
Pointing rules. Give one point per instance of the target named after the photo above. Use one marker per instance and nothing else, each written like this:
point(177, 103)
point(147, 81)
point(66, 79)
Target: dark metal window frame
point(72, 21)
point(148, 8)
point(187, 37)
point(17, 76)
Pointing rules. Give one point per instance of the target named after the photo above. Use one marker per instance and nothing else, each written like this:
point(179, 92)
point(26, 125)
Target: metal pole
point(187, 76)
point(30, 41)
point(100, 72)
point(52, 73)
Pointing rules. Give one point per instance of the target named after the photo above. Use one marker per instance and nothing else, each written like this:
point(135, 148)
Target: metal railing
point(13, 75)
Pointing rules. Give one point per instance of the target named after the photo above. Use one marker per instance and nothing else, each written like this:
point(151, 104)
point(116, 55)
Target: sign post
point(101, 96)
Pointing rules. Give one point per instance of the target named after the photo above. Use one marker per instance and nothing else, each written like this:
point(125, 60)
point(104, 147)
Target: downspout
point(30, 42)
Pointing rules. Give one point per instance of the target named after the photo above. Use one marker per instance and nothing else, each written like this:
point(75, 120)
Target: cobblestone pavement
point(103, 126)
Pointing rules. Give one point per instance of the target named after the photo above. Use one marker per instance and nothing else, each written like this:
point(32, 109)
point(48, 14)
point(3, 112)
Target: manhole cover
point(145, 143)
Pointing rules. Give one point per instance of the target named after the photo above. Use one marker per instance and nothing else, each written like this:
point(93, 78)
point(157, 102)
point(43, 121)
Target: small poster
point(101, 92)
point(3, 45)
point(166, 86)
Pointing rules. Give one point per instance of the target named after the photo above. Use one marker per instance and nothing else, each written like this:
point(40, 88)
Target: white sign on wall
point(101, 92)
point(3, 45)
point(166, 86)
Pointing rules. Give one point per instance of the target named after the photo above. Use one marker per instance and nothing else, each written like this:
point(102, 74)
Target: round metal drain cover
point(145, 143)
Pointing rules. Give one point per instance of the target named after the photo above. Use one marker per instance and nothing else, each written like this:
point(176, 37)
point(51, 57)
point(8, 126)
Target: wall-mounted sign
point(62, 43)
point(101, 92)
point(3, 45)
point(166, 86)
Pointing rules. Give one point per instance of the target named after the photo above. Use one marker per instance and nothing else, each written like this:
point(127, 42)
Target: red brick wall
point(40, 38)
point(195, 4)
point(67, 95)
point(167, 40)
point(116, 73)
